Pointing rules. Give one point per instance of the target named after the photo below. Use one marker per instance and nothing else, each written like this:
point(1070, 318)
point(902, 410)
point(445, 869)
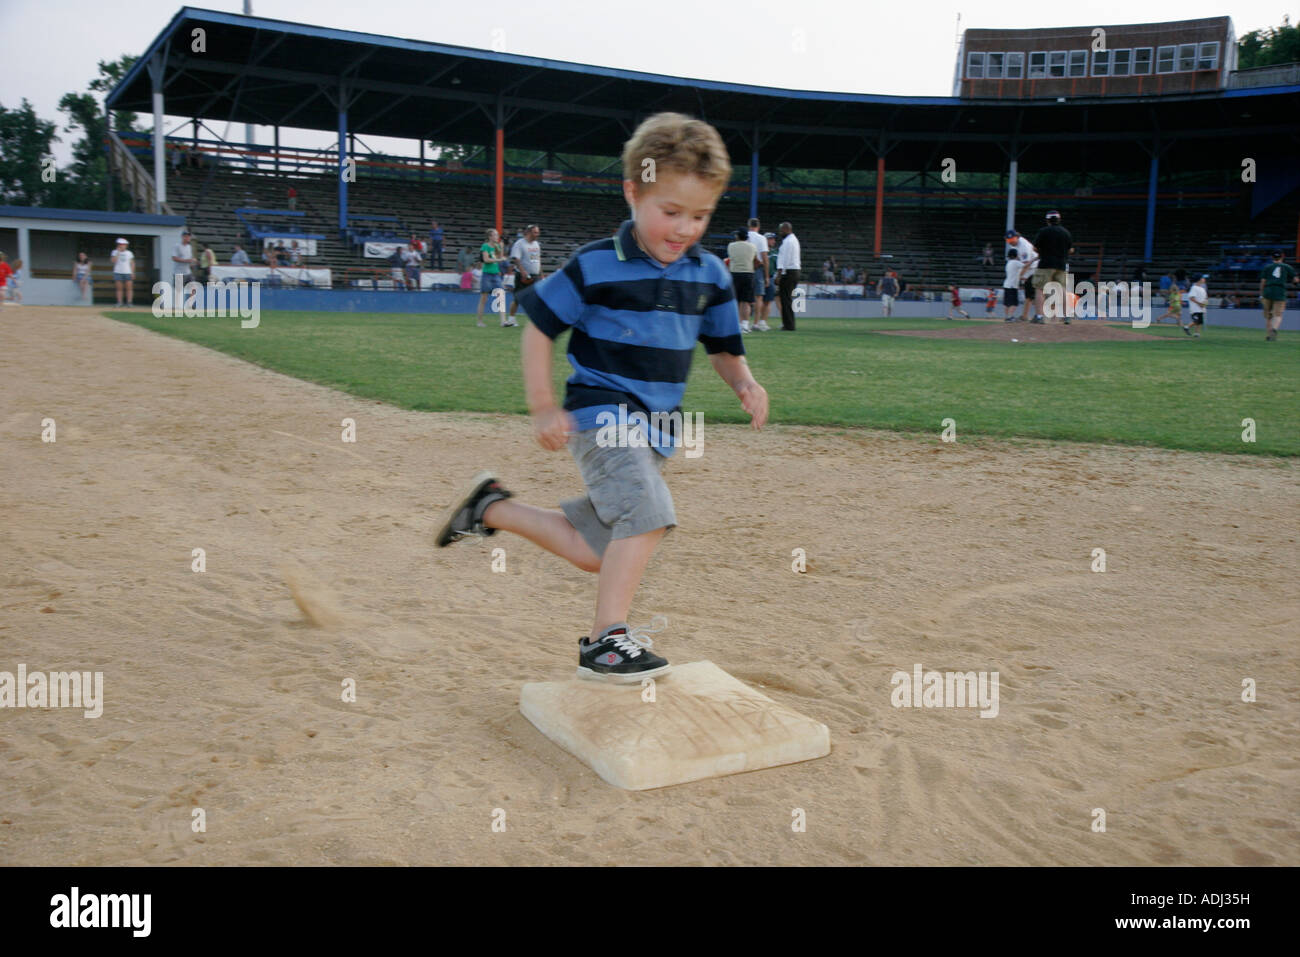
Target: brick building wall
point(1141, 59)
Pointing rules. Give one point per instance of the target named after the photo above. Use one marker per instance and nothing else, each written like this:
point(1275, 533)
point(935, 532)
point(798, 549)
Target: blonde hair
point(674, 141)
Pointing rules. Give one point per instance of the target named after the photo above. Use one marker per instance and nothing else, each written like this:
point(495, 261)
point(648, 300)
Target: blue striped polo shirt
point(634, 326)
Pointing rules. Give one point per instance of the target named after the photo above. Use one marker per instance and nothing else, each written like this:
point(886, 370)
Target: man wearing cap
point(1198, 297)
point(1272, 292)
point(123, 272)
point(1053, 244)
point(183, 257)
point(1028, 257)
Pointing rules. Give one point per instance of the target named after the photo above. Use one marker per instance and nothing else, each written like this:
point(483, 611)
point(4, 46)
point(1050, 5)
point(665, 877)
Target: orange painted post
point(500, 179)
point(880, 200)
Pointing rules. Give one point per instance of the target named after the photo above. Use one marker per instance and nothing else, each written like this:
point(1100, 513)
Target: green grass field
point(1180, 395)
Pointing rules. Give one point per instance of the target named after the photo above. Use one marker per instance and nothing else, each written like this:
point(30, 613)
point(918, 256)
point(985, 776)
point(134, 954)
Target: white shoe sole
point(589, 675)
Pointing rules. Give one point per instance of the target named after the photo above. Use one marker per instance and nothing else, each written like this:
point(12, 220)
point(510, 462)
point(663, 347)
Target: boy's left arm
point(734, 371)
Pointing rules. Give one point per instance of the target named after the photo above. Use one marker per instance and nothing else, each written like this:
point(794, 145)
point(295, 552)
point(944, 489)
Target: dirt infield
point(1089, 330)
point(1118, 690)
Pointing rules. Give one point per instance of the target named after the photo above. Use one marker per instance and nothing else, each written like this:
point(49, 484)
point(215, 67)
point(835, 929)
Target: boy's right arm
point(551, 424)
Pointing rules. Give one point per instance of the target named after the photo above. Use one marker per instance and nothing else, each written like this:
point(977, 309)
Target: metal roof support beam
point(499, 176)
point(428, 84)
point(344, 170)
point(157, 66)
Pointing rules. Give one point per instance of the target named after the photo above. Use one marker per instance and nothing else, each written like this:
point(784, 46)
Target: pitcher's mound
point(702, 723)
point(1089, 330)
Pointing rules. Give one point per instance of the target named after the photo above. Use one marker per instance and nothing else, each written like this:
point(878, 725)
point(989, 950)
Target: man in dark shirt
point(1054, 245)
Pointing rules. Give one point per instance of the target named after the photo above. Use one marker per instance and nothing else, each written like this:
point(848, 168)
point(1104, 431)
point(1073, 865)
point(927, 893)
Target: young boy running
point(1198, 297)
point(635, 304)
point(955, 304)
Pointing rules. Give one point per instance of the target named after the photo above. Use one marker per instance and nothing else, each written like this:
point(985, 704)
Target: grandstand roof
point(273, 72)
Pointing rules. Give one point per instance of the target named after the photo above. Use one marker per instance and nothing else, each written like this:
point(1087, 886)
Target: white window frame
point(1077, 58)
point(970, 65)
point(1052, 64)
point(1014, 61)
point(1151, 61)
point(1160, 58)
point(1187, 55)
point(1101, 62)
point(1202, 56)
point(1128, 62)
point(989, 68)
point(1041, 68)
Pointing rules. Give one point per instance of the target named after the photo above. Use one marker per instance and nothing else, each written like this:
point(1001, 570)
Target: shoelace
point(635, 640)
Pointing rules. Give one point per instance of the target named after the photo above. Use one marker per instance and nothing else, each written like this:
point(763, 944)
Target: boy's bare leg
point(545, 527)
point(621, 568)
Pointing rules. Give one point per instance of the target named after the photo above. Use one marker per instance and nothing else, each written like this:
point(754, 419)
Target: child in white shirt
point(1011, 284)
point(1197, 297)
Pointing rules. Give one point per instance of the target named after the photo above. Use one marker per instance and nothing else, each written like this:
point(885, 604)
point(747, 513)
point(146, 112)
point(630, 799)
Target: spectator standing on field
point(1028, 257)
point(123, 272)
point(788, 265)
point(526, 258)
point(1272, 292)
point(207, 259)
point(1053, 244)
point(741, 259)
point(183, 258)
point(15, 284)
point(492, 255)
point(1012, 284)
point(769, 291)
point(888, 289)
point(81, 274)
point(762, 275)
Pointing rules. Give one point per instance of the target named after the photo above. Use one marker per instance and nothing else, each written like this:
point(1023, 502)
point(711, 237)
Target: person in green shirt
point(492, 254)
point(1272, 292)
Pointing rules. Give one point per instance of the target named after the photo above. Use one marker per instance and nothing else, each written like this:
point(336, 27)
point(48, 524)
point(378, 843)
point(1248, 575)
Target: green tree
point(1269, 47)
point(25, 154)
point(84, 183)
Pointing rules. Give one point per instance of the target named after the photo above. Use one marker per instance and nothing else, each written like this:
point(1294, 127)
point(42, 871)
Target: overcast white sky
point(49, 47)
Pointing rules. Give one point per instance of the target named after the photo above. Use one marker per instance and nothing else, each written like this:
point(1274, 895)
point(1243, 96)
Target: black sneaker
point(1271, 337)
point(622, 656)
point(1187, 331)
point(465, 517)
point(1065, 321)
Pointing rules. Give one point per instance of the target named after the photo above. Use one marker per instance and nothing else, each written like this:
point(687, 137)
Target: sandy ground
point(1119, 690)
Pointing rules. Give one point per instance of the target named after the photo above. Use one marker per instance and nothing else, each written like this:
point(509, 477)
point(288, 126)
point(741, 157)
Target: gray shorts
point(626, 494)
